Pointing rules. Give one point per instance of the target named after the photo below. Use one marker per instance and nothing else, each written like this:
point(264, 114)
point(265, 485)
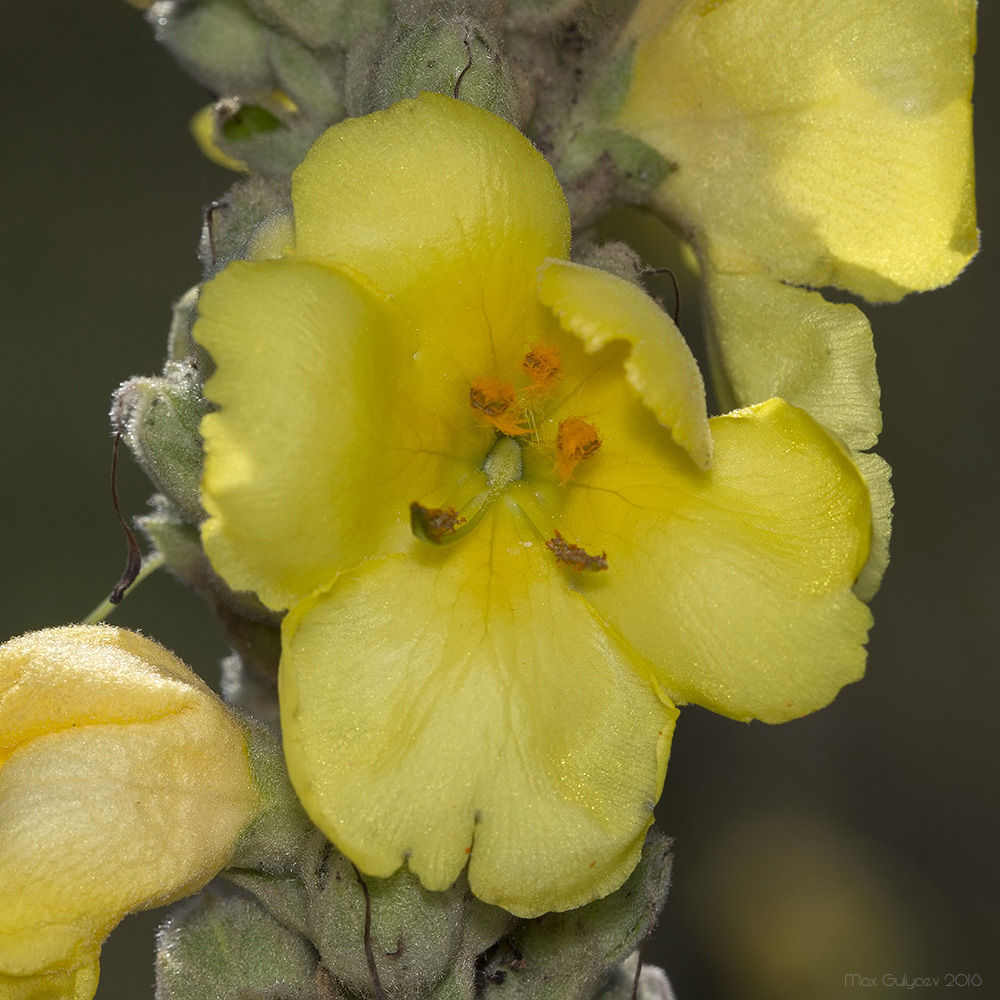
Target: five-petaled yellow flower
point(483, 481)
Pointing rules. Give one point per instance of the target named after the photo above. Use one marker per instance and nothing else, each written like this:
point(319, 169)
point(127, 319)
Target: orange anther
point(576, 439)
point(495, 400)
point(573, 556)
point(543, 365)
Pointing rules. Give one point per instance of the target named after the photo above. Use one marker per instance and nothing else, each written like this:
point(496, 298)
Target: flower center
point(442, 525)
point(503, 464)
point(512, 413)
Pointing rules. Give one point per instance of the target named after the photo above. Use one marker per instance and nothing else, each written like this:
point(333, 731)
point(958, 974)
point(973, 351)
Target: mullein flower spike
point(483, 482)
point(124, 784)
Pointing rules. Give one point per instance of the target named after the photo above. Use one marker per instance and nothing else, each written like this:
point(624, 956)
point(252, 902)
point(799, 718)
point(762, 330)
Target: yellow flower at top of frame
point(483, 481)
point(823, 142)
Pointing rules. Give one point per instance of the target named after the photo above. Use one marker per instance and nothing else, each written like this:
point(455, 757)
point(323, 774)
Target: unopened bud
point(159, 418)
point(124, 784)
point(219, 42)
point(456, 57)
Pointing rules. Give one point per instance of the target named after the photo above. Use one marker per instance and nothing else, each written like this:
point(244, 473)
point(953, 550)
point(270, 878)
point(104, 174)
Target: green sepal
point(230, 948)
point(596, 163)
point(230, 222)
point(540, 15)
point(251, 628)
point(219, 42)
point(420, 939)
point(322, 24)
point(159, 418)
point(313, 81)
point(448, 945)
point(458, 57)
point(572, 955)
point(274, 842)
point(319, 23)
point(269, 136)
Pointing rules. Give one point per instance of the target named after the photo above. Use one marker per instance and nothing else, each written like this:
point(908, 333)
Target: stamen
point(575, 557)
point(576, 439)
point(444, 525)
point(543, 365)
point(433, 523)
point(495, 400)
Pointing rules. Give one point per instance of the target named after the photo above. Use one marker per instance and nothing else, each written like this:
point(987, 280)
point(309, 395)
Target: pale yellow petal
point(826, 145)
point(203, 130)
point(328, 426)
point(124, 783)
point(737, 582)
point(600, 308)
point(78, 983)
point(775, 340)
point(447, 208)
point(463, 704)
point(877, 474)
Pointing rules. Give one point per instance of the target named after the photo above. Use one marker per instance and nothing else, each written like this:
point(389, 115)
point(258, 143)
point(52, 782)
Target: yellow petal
point(829, 147)
point(328, 427)
point(463, 704)
point(444, 206)
point(79, 983)
point(877, 474)
point(124, 783)
point(775, 340)
point(203, 129)
point(737, 582)
point(600, 308)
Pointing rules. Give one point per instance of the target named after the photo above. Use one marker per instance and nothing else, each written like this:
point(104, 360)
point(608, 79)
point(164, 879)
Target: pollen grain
point(543, 365)
point(576, 440)
point(497, 402)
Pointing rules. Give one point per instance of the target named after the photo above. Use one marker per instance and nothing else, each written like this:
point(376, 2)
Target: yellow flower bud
point(124, 784)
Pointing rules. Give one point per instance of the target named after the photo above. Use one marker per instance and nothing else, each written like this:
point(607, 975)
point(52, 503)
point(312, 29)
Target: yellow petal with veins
point(335, 396)
point(600, 308)
point(456, 705)
point(737, 582)
point(445, 207)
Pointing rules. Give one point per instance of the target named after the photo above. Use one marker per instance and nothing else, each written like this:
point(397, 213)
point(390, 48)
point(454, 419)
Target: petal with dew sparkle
point(600, 308)
point(436, 201)
point(829, 147)
point(444, 707)
point(326, 418)
point(737, 582)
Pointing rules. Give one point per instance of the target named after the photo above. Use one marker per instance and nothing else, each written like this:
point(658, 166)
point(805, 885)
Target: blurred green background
point(860, 840)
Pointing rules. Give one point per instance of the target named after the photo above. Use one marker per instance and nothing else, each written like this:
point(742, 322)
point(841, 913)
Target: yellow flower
point(124, 784)
point(481, 477)
point(825, 143)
